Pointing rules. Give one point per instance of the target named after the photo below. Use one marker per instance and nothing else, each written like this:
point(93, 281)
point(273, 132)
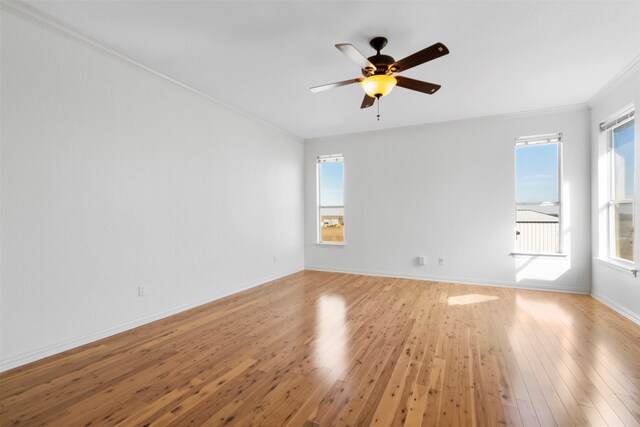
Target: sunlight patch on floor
point(469, 299)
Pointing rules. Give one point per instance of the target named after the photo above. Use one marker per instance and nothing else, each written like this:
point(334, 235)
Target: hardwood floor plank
point(332, 349)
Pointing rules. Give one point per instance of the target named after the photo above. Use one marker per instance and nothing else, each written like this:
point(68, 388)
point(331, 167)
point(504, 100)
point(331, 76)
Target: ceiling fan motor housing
point(382, 62)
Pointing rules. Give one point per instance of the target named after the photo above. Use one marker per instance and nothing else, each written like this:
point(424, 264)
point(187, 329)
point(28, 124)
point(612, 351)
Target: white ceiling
point(261, 57)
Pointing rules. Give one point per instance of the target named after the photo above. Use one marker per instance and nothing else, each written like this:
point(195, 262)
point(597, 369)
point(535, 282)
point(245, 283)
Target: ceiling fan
point(377, 70)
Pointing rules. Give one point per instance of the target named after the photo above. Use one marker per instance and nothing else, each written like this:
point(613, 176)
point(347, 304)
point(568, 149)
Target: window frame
point(523, 141)
point(319, 206)
point(612, 201)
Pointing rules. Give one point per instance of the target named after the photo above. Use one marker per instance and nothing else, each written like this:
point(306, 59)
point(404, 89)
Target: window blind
point(539, 139)
point(330, 158)
point(619, 119)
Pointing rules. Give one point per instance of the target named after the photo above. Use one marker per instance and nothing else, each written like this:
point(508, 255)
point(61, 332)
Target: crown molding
point(48, 22)
point(626, 72)
point(501, 116)
point(35, 16)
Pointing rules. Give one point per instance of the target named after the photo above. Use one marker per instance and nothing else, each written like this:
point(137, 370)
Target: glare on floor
point(469, 299)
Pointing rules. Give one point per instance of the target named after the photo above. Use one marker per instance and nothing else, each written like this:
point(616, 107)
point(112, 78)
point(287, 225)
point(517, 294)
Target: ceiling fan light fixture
point(378, 85)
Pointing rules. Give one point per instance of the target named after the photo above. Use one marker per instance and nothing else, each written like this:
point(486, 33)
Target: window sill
point(330, 244)
point(618, 265)
point(538, 254)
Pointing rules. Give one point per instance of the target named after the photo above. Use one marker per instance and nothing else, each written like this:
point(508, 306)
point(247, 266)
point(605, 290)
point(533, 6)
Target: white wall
point(613, 286)
point(113, 177)
point(447, 190)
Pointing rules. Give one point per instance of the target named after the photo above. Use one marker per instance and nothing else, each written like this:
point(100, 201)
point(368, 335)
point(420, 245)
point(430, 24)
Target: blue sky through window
point(537, 173)
point(332, 184)
point(623, 148)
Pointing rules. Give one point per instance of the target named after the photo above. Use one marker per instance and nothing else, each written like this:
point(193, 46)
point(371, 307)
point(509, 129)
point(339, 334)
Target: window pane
point(623, 229)
point(332, 224)
point(537, 173)
point(331, 184)
point(538, 229)
point(623, 161)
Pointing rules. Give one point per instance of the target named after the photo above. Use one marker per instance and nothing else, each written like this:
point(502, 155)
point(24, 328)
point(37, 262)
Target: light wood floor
point(333, 349)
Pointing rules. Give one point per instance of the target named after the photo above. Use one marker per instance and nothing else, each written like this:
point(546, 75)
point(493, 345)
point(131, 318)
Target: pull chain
point(378, 97)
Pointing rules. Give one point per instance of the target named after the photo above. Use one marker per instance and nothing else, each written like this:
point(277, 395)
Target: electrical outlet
point(140, 291)
point(440, 261)
point(422, 260)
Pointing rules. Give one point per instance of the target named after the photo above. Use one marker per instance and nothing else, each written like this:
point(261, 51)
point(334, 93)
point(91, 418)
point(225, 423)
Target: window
point(331, 199)
point(621, 147)
point(538, 208)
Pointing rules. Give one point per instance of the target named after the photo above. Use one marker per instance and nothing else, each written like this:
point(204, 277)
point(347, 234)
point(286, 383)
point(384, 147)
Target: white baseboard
point(634, 317)
point(60, 347)
point(23, 359)
point(462, 281)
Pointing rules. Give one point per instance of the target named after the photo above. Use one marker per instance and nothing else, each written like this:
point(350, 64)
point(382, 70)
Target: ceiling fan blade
point(420, 86)
point(322, 88)
point(355, 55)
point(367, 101)
point(425, 55)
